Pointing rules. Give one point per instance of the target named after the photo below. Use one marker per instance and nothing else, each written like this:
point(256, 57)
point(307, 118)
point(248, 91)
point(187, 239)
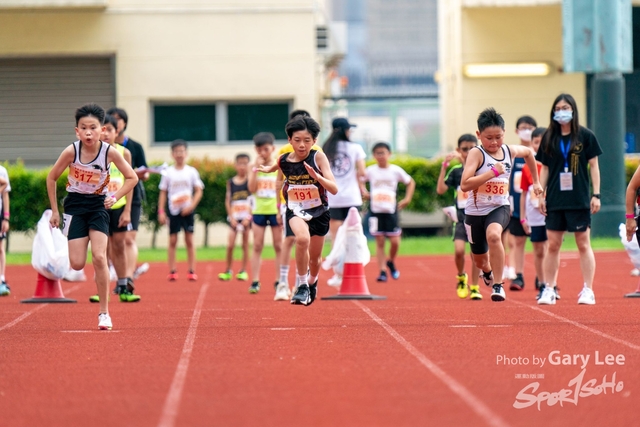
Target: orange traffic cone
point(48, 290)
point(354, 282)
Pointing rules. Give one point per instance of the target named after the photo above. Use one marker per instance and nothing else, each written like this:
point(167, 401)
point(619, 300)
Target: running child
point(533, 222)
point(383, 181)
point(283, 293)
point(119, 219)
point(308, 178)
point(487, 211)
point(86, 219)
point(265, 212)
point(238, 206)
point(452, 180)
point(182, 187)
point(5, 189)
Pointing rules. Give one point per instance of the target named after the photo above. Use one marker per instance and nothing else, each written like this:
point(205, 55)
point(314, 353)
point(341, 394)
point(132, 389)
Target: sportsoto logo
point(577, 388)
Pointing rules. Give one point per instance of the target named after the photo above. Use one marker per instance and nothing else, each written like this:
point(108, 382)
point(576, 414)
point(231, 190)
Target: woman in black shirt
point(569, 154)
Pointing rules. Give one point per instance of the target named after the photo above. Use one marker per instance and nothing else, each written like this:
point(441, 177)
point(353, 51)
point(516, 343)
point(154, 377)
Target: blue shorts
point(264, 220)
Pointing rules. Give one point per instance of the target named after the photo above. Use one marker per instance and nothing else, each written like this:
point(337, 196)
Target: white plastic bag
point(50, 254)
point(632, 248)
point(350, 236)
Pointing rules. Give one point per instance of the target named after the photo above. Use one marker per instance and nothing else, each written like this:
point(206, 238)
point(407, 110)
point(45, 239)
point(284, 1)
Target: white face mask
point(525, 134)
point(563, 116)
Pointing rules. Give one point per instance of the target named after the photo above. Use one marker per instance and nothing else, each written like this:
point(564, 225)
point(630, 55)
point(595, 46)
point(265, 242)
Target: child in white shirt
point(383, 181)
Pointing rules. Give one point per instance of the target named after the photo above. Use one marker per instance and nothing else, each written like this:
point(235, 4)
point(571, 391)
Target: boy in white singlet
point(85, 208)
point(487, 212)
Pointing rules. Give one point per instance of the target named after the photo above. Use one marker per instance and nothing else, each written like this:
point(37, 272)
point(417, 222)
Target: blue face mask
point(563, 116)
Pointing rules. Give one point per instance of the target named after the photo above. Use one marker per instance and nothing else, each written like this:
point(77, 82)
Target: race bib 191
point(303, 196)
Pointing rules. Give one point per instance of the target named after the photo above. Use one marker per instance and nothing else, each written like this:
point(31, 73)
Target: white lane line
point(473, 402)
point(30, 312)
point(172, 402)
point(581, 326)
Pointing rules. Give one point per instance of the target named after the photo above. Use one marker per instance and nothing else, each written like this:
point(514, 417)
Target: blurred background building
point(213, 72)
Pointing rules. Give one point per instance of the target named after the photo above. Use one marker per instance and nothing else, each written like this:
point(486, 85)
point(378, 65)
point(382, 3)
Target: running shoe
point(192, 276)
point(392, 269)
point(382, 277)
point(556, 289)
point(302, 295)
point(498, 293)
point(173, 276)
point(282, 292)
point(104, 322)
point(140, 270)
point(475, 292)
point(463, 289)
point(94, 298)
point(586, 296)
point(226, 276)
point(547, 295)
point(335, 281)
point(75, 276)
point(242, 275)
point(254, 288)
point(313, 292)
point(487, 278)
point(517, 284)
point(4, 289)
point(128, 296)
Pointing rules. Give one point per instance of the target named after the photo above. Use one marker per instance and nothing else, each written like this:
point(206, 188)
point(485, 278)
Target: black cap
point(342, 123)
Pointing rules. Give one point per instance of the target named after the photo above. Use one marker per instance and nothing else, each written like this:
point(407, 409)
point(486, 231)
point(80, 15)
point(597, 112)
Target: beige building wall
point(487, 33)
point(173, 51)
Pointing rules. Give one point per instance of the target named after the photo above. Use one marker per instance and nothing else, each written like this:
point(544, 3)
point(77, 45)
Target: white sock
point(2, 278)
point(284, 273)
point(302, 280)
point(312, 279)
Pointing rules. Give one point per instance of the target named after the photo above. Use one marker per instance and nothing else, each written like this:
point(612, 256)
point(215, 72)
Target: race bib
point(66, 222)
point(461, 198)
point(383, 200)
point(303, 196)
point(240, 209)
point(266, 187)
point(517, 178)
point(179, 201)
point(84, 175)
point(494, 188)
point(115, 184)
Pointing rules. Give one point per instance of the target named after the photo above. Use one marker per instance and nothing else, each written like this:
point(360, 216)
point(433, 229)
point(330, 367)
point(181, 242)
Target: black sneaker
point(537, 284)
point(517, 284)
point(382, 277)
point(302, 296)
point(254, 288)
point(120, 289)
point(487, 277)
point(392, 269)
point(130, 286)
point(313, 292)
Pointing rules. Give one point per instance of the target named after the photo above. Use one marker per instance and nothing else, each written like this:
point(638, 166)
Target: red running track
point(208, 353)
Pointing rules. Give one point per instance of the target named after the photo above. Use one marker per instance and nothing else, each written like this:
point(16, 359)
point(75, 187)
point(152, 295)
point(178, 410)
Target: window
point(246, 120)
point(193, 123)
point(219, 122)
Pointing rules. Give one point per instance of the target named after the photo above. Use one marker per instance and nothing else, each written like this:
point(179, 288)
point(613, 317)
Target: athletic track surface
point(209, 354)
